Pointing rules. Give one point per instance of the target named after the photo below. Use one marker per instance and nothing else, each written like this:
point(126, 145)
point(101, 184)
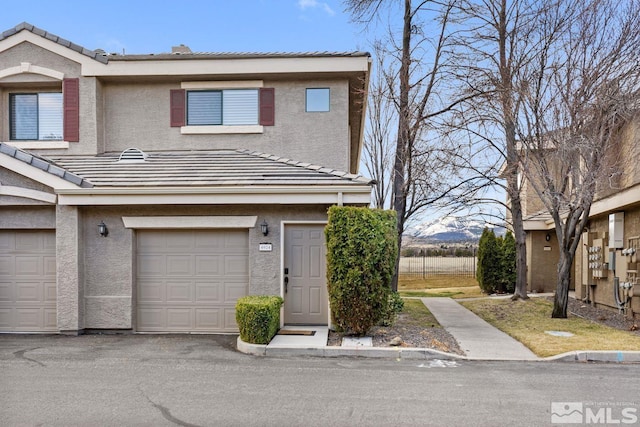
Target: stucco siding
point(109, 262)
point(137, 115)
point(28, 218)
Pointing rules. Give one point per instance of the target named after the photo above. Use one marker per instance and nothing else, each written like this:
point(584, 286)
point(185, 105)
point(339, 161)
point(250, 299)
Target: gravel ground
point(434, 337)
point(603, 316)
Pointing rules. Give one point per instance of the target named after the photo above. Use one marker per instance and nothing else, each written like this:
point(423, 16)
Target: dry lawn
point(439, 286)
point(528, 320)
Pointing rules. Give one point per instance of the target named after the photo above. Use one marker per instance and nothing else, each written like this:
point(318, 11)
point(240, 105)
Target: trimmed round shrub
point(258, 317)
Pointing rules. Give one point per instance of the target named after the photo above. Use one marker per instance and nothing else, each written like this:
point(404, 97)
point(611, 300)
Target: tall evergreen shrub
point(488, 271)
point(361, 253)
point(509, 262)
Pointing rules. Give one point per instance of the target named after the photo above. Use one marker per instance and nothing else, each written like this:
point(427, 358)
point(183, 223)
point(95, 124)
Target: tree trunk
point(402, 142)
point(561, 298)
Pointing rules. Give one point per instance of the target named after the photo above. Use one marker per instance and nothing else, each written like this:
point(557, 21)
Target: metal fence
point(422, 266)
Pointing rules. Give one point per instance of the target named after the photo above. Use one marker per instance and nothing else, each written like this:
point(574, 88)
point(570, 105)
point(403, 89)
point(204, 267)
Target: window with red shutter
point(267, 106)
point(71, 107)
point(178, 107)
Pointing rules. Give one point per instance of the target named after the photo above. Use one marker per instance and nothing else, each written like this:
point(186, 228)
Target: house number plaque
point(265, 247)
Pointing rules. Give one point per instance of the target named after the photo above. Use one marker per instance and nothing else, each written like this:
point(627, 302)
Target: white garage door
point(189, 281)
point(27, 281)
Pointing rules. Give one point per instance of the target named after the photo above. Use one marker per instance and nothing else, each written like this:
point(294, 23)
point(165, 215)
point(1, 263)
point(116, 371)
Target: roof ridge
point(43, 164)
point(25, 26)
point(309, 166)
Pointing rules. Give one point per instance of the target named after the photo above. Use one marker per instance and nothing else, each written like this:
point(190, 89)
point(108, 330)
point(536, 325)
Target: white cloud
point(313, 4)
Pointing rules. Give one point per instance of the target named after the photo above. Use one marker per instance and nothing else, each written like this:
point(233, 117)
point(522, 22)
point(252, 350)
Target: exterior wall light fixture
point(264, 227)
point(102, 229)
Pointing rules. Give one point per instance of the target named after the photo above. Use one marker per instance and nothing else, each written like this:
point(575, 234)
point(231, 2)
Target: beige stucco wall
point(91, 123)
point(27, 217)
point(108, 262)
point(137, 115)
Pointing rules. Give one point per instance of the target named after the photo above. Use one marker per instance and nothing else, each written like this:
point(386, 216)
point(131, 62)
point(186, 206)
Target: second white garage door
point(189, 281)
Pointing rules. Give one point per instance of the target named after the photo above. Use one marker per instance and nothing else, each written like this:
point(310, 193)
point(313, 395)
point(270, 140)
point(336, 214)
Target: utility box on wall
point(616, 230)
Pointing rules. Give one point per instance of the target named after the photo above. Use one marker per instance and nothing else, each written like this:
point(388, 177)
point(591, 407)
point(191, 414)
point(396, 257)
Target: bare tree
point(498, 43)
point(379, 133)
point(583, 86)
point(417, 86)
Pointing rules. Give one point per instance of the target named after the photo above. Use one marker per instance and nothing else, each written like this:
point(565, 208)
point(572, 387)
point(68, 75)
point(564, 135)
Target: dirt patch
point(603, 316)
point(412, 336)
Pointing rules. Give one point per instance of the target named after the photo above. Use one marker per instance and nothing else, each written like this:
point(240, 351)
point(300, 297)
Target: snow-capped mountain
point(450, 229)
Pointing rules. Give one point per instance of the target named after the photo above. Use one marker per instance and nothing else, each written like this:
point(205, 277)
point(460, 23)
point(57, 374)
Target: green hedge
point(361, 253)
point(258, 317)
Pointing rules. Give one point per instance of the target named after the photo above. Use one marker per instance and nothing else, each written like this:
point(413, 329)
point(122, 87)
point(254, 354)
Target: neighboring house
point(606, 261)
point(135, 195)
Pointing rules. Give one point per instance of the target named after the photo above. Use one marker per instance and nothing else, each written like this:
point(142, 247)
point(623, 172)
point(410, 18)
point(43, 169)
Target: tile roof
point(234, 55)
point(202, 168)
point(54, 38)
point(43, 164)
point(103, 57)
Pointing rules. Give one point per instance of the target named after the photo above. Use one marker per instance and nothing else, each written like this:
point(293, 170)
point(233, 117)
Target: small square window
point(317, 100)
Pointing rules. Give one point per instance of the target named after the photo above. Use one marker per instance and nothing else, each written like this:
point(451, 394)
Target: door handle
point(286, 284)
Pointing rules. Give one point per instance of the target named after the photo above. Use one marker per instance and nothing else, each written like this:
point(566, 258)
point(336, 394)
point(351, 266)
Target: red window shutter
point(71, 107)
point(267, 106)
point(178, 107)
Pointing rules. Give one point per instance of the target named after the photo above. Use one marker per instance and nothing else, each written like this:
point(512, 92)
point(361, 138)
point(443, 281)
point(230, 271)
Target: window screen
point(36, 116)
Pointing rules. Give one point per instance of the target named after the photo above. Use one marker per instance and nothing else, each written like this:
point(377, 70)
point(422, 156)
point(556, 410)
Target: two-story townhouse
point(146, 193)
point(606, 262)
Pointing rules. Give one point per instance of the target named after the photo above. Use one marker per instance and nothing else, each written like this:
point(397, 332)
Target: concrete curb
point(597, 356)
point(401, 353)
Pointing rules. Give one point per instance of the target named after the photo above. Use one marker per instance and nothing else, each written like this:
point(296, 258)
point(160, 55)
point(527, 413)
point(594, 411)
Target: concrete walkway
point(477, 338)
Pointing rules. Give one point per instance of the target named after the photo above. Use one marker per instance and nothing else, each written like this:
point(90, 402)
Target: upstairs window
point(36, 116)
point(229, 107)
point(317, 100)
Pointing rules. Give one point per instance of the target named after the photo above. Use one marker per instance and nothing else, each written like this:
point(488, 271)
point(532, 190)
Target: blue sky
point(153, 26)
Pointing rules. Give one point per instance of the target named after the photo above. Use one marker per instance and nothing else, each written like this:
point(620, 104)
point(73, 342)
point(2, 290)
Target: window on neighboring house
point(317, 100)
point(230, 107)
point(36, 116)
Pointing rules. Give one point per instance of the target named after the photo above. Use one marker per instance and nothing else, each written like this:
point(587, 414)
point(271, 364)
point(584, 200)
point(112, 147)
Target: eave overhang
point(258, 195)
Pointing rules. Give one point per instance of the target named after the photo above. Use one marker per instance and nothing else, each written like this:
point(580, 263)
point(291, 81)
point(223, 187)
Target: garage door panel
point(26, 242)
point(28, 286)
point(179, 291)
point(29, 292)
point(28, 318)
point(150, 291)
point(28, 266)
point(6, 318)
point(208, 241)
point(205, 272)
point(151, 265)
point(236, 265)
point(6, 291)
point(50, 318)
point(49, 291)
point(208, 292)
point(208, 265)
point(230, 318)
point(179, 318)
point(178, 241)
point(207, 319)
point(49, 265)
point(234, 290)
point(179, 265)
point(151, 319)
point(6, 266)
